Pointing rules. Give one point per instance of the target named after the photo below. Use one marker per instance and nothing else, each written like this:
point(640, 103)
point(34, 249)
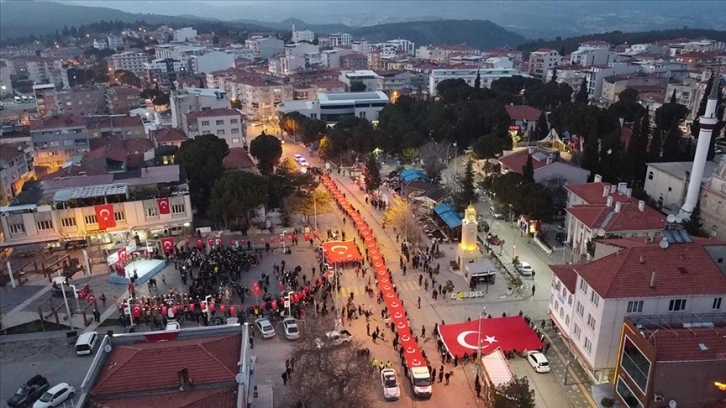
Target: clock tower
point(468, 248)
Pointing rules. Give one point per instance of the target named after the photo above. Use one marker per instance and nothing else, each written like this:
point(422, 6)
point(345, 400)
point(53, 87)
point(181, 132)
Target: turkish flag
point(272, 240)
point(509, 333)
point(282, 238)
point(163, 204)
point(219, 242)
point(167, 244)
point(104, 216)
point(200, 243)
point(122, 255)
point(210, 242)
point(233, 243)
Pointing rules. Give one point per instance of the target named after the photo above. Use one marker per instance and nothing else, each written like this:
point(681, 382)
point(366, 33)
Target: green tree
point(637, 153)
point(667, 125)
point(477, 81)
point(543, 128)
point(466, 194)
point(694, 224)
point(201, 158)
point(514, 394)
point(433, 157)
point(235, 195)
point(534, 200)
point(372, 174)
point(400, 216)
point(161, 99)
point(488, 147)
point(528, 170)
point(267, 149)
point(582, 94)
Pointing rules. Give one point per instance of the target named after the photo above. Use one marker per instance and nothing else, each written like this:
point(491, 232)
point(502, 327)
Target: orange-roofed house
point(674, 281)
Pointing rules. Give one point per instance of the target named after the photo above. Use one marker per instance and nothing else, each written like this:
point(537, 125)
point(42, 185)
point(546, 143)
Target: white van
point(86, 342)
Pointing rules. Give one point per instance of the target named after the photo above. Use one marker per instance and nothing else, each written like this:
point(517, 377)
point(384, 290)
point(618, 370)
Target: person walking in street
point(441, 376)
point(289, 372)
point(419, 302)
point(163, 279)
point(375, 337)
point(284, 378)
point(423, 331)
point(532, 290)
point(252, 343)
point(368, 329)
point(103, 299)
point(447, 376)
point(433, 375)
point(477, 387)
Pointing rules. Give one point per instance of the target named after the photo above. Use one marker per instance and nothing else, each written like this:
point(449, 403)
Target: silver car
point(291, 330)
point(265, 328)
point(389, 382)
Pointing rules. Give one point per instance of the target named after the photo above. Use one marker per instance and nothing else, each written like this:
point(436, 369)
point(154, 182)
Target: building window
point(583, 286)
point(716, 303)
point(90, 219)
point(220, 122)
point(235, 131)
point(595, 299)
point(588, 345)
point(205, 123)
point(177, 208)
point(627, 395)
point(362, 115)
point(635, 306)
point(220, 132)
point(580, 308)
point(576, 331)
point(233, 121)
point(677, 305)
point(635, 364)
point(68, 222)
point(590, 321)
point(650, 175)
point(17, 228)
point(44, 225)
point(152, 212)
point(119, 216)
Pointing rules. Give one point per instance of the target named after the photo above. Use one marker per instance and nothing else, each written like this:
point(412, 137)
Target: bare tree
point(400, 216)
point(329, 376)
point(433, 158)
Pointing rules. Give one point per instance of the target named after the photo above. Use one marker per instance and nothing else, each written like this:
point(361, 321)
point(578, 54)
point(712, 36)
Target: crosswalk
point(404, 286)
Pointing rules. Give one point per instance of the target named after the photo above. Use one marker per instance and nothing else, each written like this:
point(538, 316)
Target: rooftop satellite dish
point(240, 378)
point(107, 348)
point(671, 219)
point(600, 232)
point(672, 404)
point(663, 243)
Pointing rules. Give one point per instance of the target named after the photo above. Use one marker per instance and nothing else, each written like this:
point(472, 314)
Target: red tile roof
point(57, 122)
point(204, 398)
point(523, 112)
point(593, 193)
point(116, 149)
point(515, 161)
point(566, 275)
point(213, 113)
point(238, 159)
point(622, 275)
point(681, 344)
point(630, 218)
point(169, 134)
point(138, 367)
point(115, 121)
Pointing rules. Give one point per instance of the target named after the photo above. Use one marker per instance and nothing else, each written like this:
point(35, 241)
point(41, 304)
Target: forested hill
point(619, 37)
point(480, 34)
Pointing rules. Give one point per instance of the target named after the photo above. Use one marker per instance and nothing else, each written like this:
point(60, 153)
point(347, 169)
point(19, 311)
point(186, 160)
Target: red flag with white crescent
point(219, 242)
point(163, 204)
point(315, 234)
point(233, 243)
point(167, 244)
point(187, 242)
point(104, 216)
point(307, 237)
point(282, 237)
point(200, 243)
point(210, 242)
point(272, 240)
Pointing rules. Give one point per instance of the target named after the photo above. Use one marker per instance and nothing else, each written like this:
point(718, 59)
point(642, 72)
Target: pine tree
point(671, 144)
point(562, 50)
point(528, 170)
point(467, 188)
point(694, 224)
point(477, 81)
point(673, 97)
point(637, 154)
point(372, 176)
point(582, 95)
point(554, 75)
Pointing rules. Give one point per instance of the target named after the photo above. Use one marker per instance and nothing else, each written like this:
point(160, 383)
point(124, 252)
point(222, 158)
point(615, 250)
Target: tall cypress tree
point(528, 170)
point(582, 95)
point(477, 81)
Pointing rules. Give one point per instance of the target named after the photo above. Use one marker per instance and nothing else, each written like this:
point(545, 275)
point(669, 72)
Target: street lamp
point(208, 301)
point(61, 281)
point(478, 341)
point(283, 242)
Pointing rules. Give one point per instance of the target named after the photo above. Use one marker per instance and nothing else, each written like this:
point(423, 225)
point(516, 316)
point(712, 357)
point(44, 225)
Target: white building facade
point(224, 123)
point(333, 107)
point(129, 61)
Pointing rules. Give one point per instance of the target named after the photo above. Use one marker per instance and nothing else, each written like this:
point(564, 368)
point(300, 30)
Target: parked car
point(496, 214)
point(265, 328)
point(291, 330)
point(525, 269)
point(493, 239)
point(55, 396)
point(389, 382)
point(29, 392)
point(86, 342)
point(538, 361)
point(335, 338)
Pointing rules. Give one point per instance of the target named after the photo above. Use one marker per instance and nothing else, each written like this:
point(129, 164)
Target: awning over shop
point(448, 214)
point(410, 175)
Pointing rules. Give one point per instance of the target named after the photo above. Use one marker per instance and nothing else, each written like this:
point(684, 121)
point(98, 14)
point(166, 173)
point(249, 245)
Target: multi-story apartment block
point(487, 76)
point(408, 47)
point(302, 35)
point(363, 80)
point(55, 139)
point(102, 209)
point(116, 126)
point(193, 100)
point(403, 82)
point(362, 47)
point(331, 58)
point(185, 34)
point(129, 61)
point(334, 107)
point(595, 210)
point(264, 47)
point(259, 94)
point(165, 71)
point(675, 275)
point(121, 99)
point(41, 70)
point(210, 62)
point(542, 60)
point(338, 39)
point(16, 167)
point(355, 61)
point(596, 76)
point(225, 123)
point(114, 41)
point(75, 102)
point(592, 53)
point(645, 85)
point(100, 44)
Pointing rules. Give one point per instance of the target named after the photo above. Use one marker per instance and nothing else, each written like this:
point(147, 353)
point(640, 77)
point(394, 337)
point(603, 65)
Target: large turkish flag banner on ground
point(167, 244)
point(163, 204)
point(104, 216)
point(507, 333)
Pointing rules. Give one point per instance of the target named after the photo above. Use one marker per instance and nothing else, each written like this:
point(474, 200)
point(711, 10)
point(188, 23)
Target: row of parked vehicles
point(38, 393)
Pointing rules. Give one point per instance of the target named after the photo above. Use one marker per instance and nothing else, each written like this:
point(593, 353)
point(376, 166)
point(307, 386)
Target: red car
point(493, 239)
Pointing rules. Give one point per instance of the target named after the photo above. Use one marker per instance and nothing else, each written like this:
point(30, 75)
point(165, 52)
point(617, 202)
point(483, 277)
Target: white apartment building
point(338, 39)
point(688, 93)
point(362, 47)
point(303, 35)
point(100, 44)
point(334, 107)
point(592, 53)
point(42, 70)
point(264, 47)
point(487, 76)
point(165, 71)
point(542, 60)
point(259, 95)
point(225, 123)
point(16, 167)
point(185, 34)
point(597, 74)
point(680, 276)
point(409, 47)
point(66, 208)
point(193, 100)
point(56, 139)
point(129, 61)
point(595, 210)
point(114, 41)
point(647, 48)
point(331, 58)
point(372, 81)
point(210, 62)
